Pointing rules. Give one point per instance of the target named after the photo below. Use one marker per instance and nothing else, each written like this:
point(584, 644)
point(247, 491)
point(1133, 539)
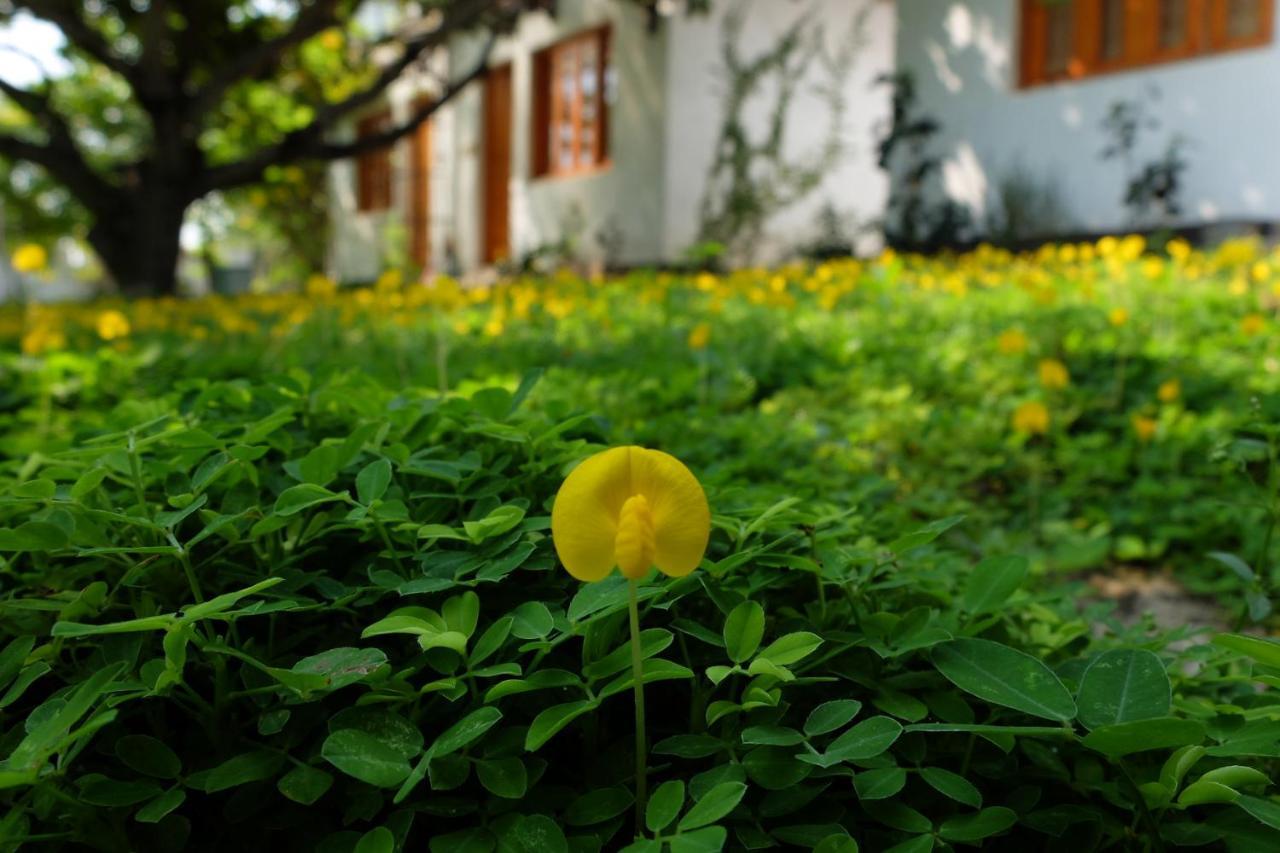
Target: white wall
point(695, 95)
point(964, 55)
point(626, 196)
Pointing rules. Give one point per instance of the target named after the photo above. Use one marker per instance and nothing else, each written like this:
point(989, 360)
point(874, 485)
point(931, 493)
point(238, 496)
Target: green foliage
point(264, 585)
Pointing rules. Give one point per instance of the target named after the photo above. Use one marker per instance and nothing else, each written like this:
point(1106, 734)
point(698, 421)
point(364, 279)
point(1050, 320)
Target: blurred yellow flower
point(1143, 427)
point(1118, 316)
point(390, 280)
point(29, 258)
point(1169, 390)
point(1252, 324)
point(700, 336)
point(111, 324)
point(1031, 418)
point(320, 285)
point(1012, 342)
point(1054, 374)
point(632, 508)
point(331, 39)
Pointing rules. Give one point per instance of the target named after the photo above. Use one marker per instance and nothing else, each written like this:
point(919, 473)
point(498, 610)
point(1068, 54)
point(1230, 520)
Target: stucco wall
point(696, 85)
point(964, 55)
point(625, 198)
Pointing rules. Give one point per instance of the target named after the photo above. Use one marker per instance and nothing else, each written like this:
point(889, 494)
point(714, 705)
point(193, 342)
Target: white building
point(616, 159)
point(594, 131)
point(1020, 86)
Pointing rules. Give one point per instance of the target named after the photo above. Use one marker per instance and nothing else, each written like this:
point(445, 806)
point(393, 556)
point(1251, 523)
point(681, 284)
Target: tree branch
point(266, 56)
point(308, 143)
point(79, 33)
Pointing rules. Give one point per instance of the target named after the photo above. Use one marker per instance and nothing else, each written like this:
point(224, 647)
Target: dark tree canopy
point(169, 100)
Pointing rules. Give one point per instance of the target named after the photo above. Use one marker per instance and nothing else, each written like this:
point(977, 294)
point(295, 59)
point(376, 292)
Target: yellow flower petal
point(585, 519)
point(681, 517)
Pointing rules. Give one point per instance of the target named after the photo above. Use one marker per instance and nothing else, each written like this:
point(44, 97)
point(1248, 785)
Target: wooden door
point(497, 164)
point(420, 193)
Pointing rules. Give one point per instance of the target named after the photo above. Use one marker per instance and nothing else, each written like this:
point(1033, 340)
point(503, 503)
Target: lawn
point(278, 571)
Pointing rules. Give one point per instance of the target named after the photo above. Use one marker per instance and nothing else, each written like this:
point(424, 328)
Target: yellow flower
point(632, 508)
point(1012, 342)
point(1031, 418)
point(111, 325)
point(331, 39)
point(1169, 390)
point(1252, 324)
point(1118, 316)
point(390, 280)
point(30, 257)
point(319, 285)
point(1143, 427)
point(1054, 374)
point(700, 336)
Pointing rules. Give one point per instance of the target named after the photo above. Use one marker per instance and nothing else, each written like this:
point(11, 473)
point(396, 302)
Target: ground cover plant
point(277, 571)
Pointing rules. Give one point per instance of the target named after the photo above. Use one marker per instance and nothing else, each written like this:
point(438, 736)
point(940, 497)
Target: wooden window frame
point(1206, 35)
point(547, 104)
point(373, 168)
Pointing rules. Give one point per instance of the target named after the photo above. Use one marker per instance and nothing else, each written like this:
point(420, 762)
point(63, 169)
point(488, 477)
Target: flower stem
point(637, 674)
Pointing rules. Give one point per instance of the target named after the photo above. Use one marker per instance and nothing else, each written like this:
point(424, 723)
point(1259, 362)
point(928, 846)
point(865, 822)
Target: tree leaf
point(552, 720)
point(830, 716)
point(952, 785)
point(364, 757)
point(664, 804)
point(372, 481)
point(790, 648)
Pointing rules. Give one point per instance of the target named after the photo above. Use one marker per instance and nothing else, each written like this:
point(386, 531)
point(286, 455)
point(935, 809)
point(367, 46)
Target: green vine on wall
point(752, 177)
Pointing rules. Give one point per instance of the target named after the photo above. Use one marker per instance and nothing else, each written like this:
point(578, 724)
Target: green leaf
point(41, 489)
point(156, 810)
point(304, 784)
point(533, 834)
point(342, 666)
point(830, 716)
point(364, 757)
point(1004, 676)
point(992, 582)
point(952, 785)
point(790, 648)
point(148, 756)
point(836, 843)
point(1203, 793)
point(385, 725)
point(1160, 733)
point(372, 481)
point(1266, 811)
point(709, 839)
point(377, 840)
point(664, 804)
point(1236, 776)
point(924, 535)
point(866, 740)
point(1178, 765)
point(1265, 652)
point(225, 602)
point(33, 536)
point(743, 631)
point(241, 770)
point(598, 806)
point(553, 719)
point(495, 523)
point(113, 793)
point(532, 621)
point(879, 784)
point(976, 827)
point(715, 804)
point(295, 499)
point(466, 731)
point(1121, 686)
point(503, 777)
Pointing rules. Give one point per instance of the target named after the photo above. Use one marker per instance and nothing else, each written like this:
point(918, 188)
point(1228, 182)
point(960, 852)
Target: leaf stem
point(637, 675)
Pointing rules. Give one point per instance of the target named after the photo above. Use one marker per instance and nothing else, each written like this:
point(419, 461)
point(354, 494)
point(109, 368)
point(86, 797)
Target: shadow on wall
point(993, 132)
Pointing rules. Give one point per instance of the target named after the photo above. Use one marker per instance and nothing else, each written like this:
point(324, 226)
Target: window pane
point(1112, 29)
point(1060, 38)
point(1173, 23)
point(1243, 18)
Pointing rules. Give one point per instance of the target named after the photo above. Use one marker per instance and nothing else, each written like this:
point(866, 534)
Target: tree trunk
point(138, 239)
